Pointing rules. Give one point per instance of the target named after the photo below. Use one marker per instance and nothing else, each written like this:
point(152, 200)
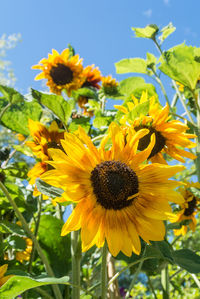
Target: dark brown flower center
point(113, 184)
point(191, 207)
point(54, 144)
point(61, 74)
point(144, 141)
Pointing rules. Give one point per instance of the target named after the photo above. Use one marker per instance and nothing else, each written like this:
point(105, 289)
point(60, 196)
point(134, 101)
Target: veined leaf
point(187, 260)
point(47, 189)
point(131, 65)
point(11, 94)
point(16, 285)
point(57, 104)
point(149, 31)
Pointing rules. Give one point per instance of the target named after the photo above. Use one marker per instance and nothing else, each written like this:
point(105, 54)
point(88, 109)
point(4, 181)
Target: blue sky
point(100, 31)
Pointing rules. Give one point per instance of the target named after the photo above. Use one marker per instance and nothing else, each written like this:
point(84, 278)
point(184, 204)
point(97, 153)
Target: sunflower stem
point(151, 287)
point(197, 131)
point(43, 257)
point(165, 282)
point(136, 275)
point(76, 260)
point(104, 272)
point(183, 103)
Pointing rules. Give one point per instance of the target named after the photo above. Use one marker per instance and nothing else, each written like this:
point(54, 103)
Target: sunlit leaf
point(131, 65)
point(181, 63)
point(166, 31)
point(47, 189)
point(149, 31)
point(57, 104)
point(16, 285)
point(11, 95)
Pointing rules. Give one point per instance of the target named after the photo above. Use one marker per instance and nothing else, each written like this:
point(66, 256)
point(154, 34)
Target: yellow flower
point(180, 86)
point(171, 136)
point(3, 278)
point(188, 209)
point(109, 85)
point(25, 255)
point(92, 76)
point(119, 198)
point(43, 139)
point(62, 71)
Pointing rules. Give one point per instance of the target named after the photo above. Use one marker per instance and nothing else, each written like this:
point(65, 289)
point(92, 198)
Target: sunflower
point(119, 198)
point(189, 209)
point(92, 76)
point(43, 139)
point(25, 255)
point(62, 71)
point(109, 86)
point(3, 278)
point(171, 136)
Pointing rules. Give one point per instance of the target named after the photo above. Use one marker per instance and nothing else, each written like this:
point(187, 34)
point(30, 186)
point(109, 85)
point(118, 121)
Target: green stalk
point(165, 282)
point(25, 226)
point(151, 287)
point(104, 272)
point(76, 260)
point(197, 131)
point(4, 110)
point(136, 274)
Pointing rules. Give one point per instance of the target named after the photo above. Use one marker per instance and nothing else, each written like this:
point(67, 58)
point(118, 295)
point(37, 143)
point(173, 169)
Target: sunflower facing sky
point(118, 197)
point(171, 136)
point(189, 209)
point(43, 139)
point(62, 71)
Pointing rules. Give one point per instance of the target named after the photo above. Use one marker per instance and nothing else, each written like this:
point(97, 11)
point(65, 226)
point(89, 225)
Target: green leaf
point(57, 248)
point(17, 169)
point(149, 31)
point(9, 227)
point(164, 249)
point(16, 242)
point(47, 189)
point(85, 92)
point(135, 86)
point(187, 259)
point(140, 109)
point(16, 285)
point(16, 117)
point(131, 65)
point(84, 122)
point(57, 104)
point(181, 64)
point(11, 94)
point(166, 31)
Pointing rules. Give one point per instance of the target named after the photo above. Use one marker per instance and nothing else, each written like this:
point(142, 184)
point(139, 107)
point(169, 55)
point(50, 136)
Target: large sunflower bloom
point(171, 136)
point(119, 198)
point(3, 278)
point(62, 71)
point(188, 210)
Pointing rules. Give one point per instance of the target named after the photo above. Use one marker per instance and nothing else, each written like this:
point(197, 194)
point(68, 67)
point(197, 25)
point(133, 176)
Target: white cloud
point(148, 13)
point(166, 2)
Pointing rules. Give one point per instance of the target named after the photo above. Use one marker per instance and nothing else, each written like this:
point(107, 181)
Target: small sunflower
point(4, 278)
point(82, 102)
point(92, 76)
point(62, 71)
point(43, 139)
point(119, 198)
point(188, 210)
point(171, 136)
point(109, 86)
point(25, 255)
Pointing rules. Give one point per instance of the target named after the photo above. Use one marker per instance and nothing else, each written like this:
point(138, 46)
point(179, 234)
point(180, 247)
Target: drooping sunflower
point(62, 71)
point(92, 78)
point(109, 86)
point(43, 139)
point(171, 136)
point(25, 255)
point(189, 209)
point(119, 198)
point(4, 278)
